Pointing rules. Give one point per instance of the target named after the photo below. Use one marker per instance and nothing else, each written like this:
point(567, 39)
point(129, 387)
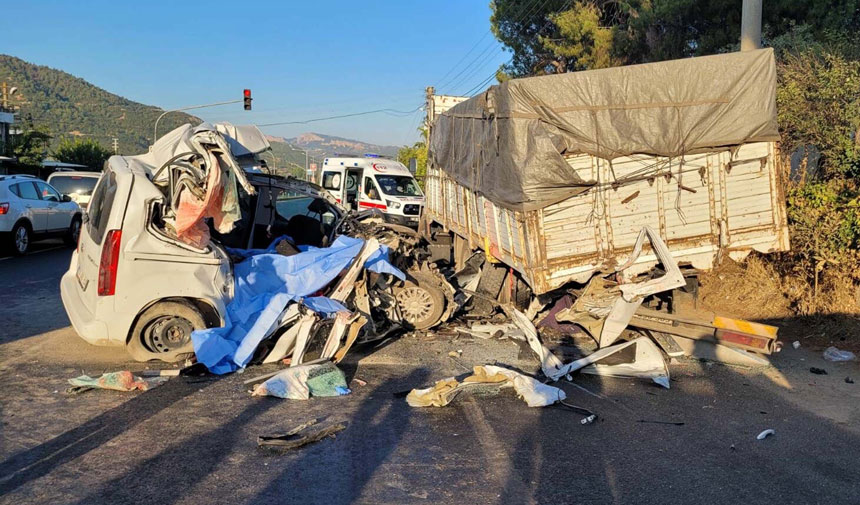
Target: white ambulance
point(371, 182)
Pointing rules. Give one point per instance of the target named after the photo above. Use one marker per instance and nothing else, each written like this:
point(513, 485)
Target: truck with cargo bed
point(555, 176)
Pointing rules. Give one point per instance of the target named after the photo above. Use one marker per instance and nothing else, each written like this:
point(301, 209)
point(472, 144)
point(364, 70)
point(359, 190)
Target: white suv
point(30, 209)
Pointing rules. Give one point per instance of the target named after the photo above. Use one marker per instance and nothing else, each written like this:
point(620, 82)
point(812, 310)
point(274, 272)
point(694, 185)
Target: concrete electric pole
point(751, 25)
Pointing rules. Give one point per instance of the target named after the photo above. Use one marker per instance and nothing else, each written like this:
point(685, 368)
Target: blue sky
point(301, 59)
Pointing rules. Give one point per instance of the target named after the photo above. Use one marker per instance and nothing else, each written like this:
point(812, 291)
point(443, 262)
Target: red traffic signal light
point(247, 94)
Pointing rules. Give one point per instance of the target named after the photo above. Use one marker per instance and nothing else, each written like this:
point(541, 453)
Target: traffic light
point(248, 99)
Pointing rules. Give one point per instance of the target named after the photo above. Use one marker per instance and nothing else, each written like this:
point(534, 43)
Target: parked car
point(31, 209)
point(78, 186)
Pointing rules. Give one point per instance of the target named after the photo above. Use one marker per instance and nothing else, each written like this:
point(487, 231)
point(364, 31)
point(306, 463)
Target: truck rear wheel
point(163, 332)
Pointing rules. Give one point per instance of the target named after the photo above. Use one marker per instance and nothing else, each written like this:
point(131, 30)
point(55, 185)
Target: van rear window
point(73, 184)
point(100, 206)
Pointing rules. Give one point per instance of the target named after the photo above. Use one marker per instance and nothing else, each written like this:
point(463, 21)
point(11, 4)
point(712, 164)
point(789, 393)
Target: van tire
point(71, 238)
point(420, 301)
point(163, 332)
point(21, 239)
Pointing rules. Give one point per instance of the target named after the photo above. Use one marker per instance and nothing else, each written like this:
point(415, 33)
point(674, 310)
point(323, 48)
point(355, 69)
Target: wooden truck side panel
point(702, 204)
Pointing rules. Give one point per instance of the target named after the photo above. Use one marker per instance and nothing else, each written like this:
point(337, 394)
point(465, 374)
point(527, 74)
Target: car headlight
point(392, 204)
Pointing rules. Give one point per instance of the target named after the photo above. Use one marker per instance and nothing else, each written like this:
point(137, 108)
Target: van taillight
point(108, 263)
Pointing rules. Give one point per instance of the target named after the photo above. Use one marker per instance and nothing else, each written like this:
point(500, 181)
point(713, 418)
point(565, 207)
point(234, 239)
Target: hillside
point(71, 107)
point(320, 146)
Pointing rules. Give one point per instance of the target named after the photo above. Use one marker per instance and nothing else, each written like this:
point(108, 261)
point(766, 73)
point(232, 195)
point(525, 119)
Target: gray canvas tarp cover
point(509, 142)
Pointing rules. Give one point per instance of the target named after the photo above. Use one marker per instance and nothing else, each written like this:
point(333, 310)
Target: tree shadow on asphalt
point(339, 472)
point(172, 474)
point(635, 454)
point(34, 463)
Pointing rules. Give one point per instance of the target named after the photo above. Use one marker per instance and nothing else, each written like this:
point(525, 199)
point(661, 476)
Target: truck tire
point(163, 332)
point(490, 285)
point(420, 302)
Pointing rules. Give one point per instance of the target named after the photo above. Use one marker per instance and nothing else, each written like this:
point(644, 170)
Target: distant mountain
point(71, 107)
point(319, 145)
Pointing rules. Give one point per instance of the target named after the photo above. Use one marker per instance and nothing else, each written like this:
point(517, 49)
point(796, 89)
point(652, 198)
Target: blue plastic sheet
point(264, 284)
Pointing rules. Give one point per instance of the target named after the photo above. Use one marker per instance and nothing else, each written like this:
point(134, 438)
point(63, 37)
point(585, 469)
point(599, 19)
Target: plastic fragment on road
point(766, 433)
point(116, 381)
point(532, 391)
point(796, 344)
point(295, 439)
point(264, 286)
point(834, 354)
point(300, 382)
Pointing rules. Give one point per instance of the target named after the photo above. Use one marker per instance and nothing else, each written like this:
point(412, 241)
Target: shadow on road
point(31, 464)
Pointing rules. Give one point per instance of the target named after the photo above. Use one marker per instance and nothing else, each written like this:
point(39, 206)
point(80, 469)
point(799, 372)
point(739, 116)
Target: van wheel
point(71, 237)
point(421, 304)
point(21, 238)
point(163, 332)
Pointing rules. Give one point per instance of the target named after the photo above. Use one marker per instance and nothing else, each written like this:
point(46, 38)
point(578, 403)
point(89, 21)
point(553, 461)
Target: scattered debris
point(117, 381)
point(303, 381)
point(818, 371)
point(766, 433)
point(444, 391)
point(834, 354)
point(796, 344)
point(849, 380)
point(294, 439)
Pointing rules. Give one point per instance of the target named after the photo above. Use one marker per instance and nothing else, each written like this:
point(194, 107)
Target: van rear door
point(105, 214)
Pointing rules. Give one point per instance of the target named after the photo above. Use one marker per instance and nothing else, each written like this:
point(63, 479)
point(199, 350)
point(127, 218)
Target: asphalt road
point(193, 440)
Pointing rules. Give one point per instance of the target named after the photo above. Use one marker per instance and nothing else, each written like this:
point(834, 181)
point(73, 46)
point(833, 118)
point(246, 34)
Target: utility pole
point(115, 146)
point(751, 25)
point(5, 96)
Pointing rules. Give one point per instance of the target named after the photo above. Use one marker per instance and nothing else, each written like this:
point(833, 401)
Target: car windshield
point(74, 184)
point(398, 185)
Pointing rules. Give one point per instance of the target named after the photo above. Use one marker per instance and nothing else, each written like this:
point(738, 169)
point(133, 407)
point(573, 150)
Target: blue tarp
point(264, 284)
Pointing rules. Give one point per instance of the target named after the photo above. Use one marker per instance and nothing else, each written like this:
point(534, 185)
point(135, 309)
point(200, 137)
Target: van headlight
point(392, 204)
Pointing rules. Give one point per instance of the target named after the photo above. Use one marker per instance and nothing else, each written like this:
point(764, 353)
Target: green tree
point(82, 152)
point(562, 36)
point(31, 146)
point(418, 151)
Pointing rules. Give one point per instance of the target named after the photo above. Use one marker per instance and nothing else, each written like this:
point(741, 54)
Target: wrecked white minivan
point(155, 257)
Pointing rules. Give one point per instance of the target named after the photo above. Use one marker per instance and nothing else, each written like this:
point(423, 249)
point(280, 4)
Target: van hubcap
point(168, 334)
point(21, 239)
point(415, 304)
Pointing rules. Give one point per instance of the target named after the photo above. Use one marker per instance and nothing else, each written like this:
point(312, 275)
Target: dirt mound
point(749, 290)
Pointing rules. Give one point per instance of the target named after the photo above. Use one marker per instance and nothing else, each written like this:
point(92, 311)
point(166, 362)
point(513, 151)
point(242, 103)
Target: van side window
point(370, 189)
point(331, 180)
point(100, 207)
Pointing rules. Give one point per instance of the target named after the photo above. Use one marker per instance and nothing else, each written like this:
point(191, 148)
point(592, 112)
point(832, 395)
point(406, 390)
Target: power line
point(529, 10)
point(392, 112)
point(486, 81)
